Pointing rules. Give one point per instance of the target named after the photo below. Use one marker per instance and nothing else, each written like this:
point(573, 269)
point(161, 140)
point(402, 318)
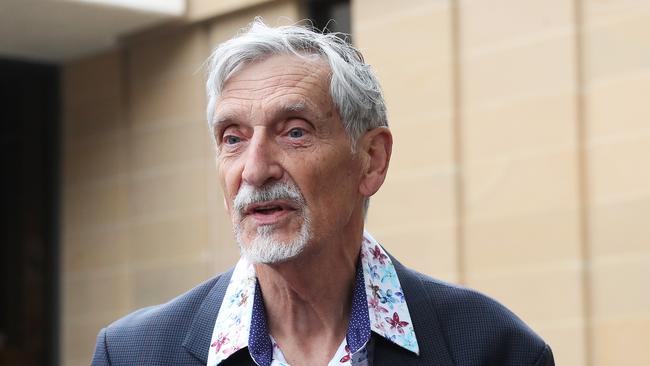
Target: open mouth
point(268, 208)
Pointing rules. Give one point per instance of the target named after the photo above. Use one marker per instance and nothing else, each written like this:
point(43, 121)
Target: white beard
point(266, 249)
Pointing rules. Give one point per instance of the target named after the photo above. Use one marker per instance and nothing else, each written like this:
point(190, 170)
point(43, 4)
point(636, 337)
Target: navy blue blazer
point(453, 326)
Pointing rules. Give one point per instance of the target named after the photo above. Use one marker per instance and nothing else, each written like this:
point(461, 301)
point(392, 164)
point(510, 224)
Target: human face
point(276, 123)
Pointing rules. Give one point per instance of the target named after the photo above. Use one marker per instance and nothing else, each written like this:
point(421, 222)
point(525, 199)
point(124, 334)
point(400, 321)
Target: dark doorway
point(29, 140)
point(330, 15)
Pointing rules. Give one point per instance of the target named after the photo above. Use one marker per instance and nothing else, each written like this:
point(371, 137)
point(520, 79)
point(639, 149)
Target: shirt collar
point(387, 307)
point(378, 305)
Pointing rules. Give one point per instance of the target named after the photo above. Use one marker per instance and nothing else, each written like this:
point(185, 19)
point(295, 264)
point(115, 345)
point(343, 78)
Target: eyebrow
point(293, 107)
point(301, 107)
point(220, 120)
point(215, 126)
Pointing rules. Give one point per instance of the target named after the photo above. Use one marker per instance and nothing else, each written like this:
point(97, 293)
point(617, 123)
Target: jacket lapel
point(431, 341)
point(197, 340)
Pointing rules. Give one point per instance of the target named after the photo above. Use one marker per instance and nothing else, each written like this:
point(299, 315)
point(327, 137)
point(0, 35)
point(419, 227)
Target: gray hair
point(354, 88)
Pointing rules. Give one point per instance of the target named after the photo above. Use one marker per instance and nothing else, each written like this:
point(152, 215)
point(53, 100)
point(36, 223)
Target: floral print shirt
point(378, 305)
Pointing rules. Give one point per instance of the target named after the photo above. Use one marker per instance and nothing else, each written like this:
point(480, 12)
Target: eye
point(231, 139)
point(296, 133)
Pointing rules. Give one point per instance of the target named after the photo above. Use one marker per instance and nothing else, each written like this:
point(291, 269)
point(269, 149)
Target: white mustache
point(248, 195)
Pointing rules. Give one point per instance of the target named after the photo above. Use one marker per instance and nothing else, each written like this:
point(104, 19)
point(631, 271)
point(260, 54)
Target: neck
point(308, 299)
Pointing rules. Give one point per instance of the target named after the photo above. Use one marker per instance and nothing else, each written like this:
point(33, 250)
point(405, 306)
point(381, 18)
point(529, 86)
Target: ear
point(225, 204)
point(376, 146)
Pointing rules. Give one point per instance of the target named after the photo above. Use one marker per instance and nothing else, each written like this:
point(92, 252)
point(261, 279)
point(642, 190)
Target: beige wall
point(617, 143)
point(521, 131)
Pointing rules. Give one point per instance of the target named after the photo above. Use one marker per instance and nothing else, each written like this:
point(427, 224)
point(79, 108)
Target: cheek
point(336, 185)
point(229, 185)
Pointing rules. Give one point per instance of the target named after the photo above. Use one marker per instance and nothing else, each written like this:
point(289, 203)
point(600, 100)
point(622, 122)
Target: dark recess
point(330, 16)
point(29, 191)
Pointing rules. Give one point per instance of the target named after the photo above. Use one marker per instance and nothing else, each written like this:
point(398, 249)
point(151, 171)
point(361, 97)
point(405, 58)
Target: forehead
point(278, 78)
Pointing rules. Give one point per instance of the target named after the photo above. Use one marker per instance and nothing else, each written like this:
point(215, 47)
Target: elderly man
point(302, 143)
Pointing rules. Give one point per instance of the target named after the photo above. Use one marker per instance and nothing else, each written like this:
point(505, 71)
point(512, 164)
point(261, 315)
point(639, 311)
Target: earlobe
point(377, 147)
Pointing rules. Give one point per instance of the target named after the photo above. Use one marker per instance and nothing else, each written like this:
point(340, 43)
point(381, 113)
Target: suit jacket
point(453, 326)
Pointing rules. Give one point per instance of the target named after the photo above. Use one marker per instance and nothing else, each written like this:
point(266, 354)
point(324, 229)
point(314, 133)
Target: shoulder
point(155, 335)
point(476, 328)
point(177, 312)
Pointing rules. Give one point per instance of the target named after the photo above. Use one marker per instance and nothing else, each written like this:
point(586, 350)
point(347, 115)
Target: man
point(302, 143)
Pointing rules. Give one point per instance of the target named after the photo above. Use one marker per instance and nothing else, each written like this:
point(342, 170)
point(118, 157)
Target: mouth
point(268, 212)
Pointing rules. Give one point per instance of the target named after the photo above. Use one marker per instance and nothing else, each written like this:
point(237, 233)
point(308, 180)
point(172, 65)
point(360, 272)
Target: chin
point(266, 247)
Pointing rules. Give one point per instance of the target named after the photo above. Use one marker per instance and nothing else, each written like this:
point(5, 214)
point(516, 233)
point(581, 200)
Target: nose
point(261, 164)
